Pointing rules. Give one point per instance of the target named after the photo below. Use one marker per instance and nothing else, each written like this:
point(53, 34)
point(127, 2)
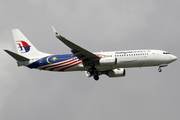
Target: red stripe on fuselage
point(58, 64)
point(70, 66)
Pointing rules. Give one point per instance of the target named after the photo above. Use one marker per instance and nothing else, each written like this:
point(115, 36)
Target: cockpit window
point(166, 53)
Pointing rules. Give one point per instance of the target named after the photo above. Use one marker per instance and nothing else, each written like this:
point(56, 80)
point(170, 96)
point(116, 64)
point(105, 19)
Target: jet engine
point(108, 61)
point(120, 72)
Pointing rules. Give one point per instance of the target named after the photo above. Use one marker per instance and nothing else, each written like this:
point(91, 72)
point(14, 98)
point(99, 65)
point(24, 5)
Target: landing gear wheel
point(160, 70)
point(96, 77)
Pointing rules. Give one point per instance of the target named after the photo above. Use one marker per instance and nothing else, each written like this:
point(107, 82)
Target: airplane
point(111, 63)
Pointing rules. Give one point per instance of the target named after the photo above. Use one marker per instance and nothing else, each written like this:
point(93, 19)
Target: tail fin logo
point(24, 46)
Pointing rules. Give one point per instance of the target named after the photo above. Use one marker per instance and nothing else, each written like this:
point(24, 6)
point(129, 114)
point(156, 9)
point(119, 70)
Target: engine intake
point(108, 61)
point(120, 72)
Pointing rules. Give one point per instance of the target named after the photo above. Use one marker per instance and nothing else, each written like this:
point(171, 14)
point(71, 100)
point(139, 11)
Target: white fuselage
point(131, 58)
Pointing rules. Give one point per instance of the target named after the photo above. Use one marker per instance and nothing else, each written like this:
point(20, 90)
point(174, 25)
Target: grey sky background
point(107, 25)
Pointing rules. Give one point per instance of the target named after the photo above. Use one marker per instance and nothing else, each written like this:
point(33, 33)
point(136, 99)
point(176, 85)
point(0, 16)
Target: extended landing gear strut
point(163, 65)
point(159, 69)
point(94, 72)
point(91, 70)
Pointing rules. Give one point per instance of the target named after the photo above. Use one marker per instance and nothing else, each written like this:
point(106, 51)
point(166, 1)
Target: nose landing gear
point(162, 65)
point(159, 69)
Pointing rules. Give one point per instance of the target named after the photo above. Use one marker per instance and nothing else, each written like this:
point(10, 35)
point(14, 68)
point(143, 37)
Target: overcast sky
point(143, 94)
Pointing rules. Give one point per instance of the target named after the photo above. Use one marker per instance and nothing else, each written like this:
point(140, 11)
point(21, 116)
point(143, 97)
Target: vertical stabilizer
point(24, 46)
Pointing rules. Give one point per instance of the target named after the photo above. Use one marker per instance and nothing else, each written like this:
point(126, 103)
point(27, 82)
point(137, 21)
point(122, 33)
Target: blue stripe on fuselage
point(50, 60)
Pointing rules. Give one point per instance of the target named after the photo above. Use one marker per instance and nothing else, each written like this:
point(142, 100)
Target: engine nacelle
point(120, 72)
point(108, 61)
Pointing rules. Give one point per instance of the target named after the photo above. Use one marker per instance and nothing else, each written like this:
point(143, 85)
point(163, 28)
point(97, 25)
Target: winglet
point(55, 31)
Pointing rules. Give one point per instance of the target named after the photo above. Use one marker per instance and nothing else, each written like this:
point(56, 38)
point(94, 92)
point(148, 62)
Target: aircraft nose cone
point(173, 58)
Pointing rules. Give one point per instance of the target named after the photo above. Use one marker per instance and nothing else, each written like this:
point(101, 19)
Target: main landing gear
point(93, 71)
point(96, 77)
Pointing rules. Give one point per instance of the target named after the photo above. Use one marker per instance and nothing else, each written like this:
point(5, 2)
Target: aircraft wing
point(79, 52)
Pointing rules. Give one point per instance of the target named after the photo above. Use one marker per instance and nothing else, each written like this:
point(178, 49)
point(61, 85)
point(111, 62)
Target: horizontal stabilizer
point(17, 56)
